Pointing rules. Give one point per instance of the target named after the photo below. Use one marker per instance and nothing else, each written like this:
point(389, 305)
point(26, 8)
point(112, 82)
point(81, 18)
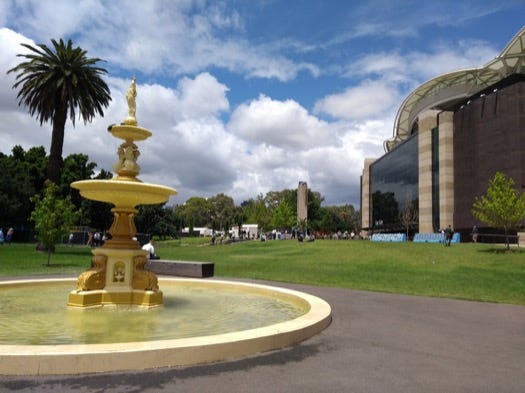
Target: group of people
point(8, 237)
point(97, 239)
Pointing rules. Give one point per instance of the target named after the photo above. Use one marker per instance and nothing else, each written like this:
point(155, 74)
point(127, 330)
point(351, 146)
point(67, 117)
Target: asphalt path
point(376, 342)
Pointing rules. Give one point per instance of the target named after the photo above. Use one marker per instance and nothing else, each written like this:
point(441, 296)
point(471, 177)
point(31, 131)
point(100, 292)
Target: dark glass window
point(435, 179)
point(394, 185)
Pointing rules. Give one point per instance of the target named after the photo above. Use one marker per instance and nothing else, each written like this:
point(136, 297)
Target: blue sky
point(246, 97)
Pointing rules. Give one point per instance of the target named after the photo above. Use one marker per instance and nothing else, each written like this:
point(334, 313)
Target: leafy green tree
point(337, 218)
point(274, 198)
point(330, 220)
point(76, 167)
point(256, 212)
point(502, 207)
point(238, 219)
point(22, 176)
point(94, 214)
point(167, 226)
point(283, 216)
point(52, 217)
point(351, 217)
point(156, 220)
point(222, 211)
point(196, 212)
point(58, 81)
point(315, 200)
point(178, 219)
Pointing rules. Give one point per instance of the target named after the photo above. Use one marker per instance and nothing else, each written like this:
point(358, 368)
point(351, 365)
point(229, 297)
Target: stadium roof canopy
point(447, 90)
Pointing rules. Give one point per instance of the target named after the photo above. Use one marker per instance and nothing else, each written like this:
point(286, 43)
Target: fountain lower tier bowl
point(123, 193)
point(201, 346)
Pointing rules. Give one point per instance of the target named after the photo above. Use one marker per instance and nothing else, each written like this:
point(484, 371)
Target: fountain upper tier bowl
point(124, 193)
point(129, 132)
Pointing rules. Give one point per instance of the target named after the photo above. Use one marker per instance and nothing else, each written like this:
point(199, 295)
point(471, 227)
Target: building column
point(446, 169)
point(426, 122)
point(366, 201)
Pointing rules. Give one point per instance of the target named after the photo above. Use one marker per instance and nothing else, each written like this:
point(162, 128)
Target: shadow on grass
point(73, 252)
point(59, 265)
point(503, 250)
point(68, 251)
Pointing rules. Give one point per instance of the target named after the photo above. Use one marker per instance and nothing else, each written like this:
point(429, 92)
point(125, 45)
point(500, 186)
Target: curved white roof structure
point(444, 90)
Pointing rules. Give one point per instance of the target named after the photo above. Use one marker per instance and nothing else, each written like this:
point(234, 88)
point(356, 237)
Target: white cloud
point(359, 102)
point(194, 56)
point(283, 124)
point(418, 66)
point(446, 58)
point(9, 47)
point(203, 96)
point(157, 36)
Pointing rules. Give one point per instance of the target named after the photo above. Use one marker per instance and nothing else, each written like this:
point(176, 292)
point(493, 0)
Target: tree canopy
point(57, 82)
point(23, 175)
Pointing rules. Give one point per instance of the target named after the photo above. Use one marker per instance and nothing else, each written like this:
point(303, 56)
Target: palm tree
point(54, 83)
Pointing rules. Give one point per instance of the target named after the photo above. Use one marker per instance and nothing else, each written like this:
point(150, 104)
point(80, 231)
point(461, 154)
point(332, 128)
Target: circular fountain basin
point(153, 352)
point(123, 193)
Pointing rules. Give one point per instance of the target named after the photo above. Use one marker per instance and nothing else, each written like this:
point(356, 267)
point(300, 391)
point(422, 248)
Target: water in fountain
point(188, 311)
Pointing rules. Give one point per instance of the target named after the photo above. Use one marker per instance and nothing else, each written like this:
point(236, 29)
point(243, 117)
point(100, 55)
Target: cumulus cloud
point(202, 96)
point(283, 124)
point(359, 102)
point(192, 57)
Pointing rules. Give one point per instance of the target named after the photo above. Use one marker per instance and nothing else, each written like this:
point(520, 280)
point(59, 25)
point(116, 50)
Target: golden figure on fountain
point(118, 275)
point(131, 96)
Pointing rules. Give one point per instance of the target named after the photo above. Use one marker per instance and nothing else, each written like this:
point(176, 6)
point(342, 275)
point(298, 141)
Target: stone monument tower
point(302, 202)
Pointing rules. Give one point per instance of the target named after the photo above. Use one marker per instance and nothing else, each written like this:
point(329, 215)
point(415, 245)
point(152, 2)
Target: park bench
point(181, 268)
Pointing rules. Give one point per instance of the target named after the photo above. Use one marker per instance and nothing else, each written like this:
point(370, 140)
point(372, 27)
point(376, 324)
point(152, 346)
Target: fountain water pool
point(296, 317)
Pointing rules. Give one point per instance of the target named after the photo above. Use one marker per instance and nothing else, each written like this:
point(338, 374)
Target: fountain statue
point(117, 275)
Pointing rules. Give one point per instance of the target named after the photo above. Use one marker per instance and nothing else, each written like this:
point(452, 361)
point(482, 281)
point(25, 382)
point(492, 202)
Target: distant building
point(451, 135)
point(247, 231)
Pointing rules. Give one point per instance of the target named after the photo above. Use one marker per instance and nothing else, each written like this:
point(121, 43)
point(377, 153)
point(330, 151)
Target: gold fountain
point(118, 276)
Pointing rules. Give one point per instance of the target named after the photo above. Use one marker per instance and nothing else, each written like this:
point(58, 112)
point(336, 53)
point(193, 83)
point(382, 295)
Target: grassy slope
point(465, 271)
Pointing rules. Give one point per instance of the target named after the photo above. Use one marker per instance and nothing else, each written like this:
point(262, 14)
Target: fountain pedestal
point(117, 276)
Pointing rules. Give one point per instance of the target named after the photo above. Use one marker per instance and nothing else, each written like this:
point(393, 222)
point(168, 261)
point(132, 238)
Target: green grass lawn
point(462, 271)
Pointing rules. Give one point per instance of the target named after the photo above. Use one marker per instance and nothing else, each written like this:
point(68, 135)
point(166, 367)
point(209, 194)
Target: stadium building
point(451, 135)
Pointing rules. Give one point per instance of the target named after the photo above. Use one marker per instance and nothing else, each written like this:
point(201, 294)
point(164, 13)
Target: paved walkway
point(376, 343)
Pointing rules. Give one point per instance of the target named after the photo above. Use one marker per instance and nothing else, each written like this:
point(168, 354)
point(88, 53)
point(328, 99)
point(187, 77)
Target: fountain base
point(117, 277)
point(98, 298)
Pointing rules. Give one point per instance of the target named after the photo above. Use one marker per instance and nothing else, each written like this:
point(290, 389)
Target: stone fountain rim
point(115, 357)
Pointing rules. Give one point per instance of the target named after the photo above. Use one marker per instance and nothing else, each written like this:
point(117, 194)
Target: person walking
point(9, 235)
point(475, 233)
point(448, 236)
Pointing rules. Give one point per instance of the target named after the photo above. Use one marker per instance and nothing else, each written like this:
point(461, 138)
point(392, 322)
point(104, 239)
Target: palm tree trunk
point(54, 166)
